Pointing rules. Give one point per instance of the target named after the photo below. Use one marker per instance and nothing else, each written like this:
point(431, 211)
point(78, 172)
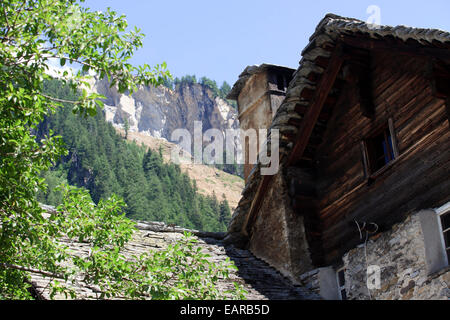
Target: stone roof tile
point(258, 278)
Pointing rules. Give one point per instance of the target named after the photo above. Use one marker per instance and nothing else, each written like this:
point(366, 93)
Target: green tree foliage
point(126, 127)
point(185, 80)
point(212, 85)
point(221, 92)
point(178, 272)
point(232, 168)
point(31, 34)
point(225, 212)
point(225, 90)
point(168, 83)
point(51, 195)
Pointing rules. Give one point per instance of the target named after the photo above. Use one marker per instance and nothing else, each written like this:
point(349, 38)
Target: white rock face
point(159, 111)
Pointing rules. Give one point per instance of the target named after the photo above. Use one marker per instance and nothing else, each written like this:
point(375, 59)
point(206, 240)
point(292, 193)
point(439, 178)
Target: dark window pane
point(343, 294)
point(380, 150)
point(386, 152)
point(280, 82)
point(445, 220)
point(341, 277)
point(447, 239)
point(387, 149)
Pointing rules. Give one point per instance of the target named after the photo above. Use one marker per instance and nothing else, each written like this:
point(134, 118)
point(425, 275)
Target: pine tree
point(225, 212)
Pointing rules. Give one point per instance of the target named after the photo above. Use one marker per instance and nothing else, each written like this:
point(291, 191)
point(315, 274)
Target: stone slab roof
point(260, 280)
point(250, 71)
point(326, 35)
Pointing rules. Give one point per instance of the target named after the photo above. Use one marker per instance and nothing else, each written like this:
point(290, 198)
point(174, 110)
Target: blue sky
point(218, 39)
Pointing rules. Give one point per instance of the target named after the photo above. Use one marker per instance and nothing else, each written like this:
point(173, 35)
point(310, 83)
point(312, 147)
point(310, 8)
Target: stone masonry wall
point(400, 254)
point(278, 235)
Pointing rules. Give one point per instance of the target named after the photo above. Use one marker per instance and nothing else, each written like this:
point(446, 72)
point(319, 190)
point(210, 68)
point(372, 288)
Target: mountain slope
point(104, 163)
point(209, 180)
point(153, 113)
point(159, 111)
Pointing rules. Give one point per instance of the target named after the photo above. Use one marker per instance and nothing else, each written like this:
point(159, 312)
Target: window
point(435, 225)
point(280, 82)
point(379, 150)
point(445, 223)
point(340, 275)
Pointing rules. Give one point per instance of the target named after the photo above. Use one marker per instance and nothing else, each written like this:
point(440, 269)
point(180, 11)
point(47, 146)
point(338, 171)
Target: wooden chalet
point(365, 142)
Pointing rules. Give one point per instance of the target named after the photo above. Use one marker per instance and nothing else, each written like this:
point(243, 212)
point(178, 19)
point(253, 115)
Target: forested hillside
point(103, 162)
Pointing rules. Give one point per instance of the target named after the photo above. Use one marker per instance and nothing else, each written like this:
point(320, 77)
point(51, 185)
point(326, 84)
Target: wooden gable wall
point(418, 178)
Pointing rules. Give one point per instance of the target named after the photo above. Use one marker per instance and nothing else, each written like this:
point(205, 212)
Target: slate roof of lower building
point(261, 281)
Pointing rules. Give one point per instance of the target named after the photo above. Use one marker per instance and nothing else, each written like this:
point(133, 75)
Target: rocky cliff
point(159, 111)
point(152, 115)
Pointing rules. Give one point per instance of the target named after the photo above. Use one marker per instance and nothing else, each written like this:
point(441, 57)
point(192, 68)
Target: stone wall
point(254, 113)
point(278, 234)
point(310, 281)
point(323, 282)
point(400, 254)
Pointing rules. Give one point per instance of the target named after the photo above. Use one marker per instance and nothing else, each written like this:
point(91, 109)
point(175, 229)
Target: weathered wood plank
point(418, 176)
point(426, 120)
point(426, 195)
point(410, 165)
point(426, 139)
point(393, 137)
point(447, 109)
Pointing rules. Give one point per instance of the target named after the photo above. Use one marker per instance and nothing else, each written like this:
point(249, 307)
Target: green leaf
point(98, 41)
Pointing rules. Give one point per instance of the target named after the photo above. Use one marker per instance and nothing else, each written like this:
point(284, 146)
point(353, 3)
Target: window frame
point(339, 286)
point(443, 212)
point(435, 254)
point(367, 154)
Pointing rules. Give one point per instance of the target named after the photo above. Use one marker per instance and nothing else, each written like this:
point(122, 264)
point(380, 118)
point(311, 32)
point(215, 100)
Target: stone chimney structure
point(259, 92)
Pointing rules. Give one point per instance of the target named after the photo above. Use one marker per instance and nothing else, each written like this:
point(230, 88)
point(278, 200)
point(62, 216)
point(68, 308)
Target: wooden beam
point(393, 138)
point(362, 146)
point(396, 47)
point(256, 204)
point(312, 114)
point(447, 109)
